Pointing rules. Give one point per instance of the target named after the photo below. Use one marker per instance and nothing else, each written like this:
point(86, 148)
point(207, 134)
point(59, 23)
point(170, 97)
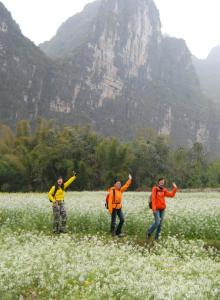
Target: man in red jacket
point(159, 193)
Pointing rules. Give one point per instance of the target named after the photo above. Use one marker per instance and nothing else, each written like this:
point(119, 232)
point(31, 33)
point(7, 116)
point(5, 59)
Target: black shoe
point(113, 232)
point(121, 235)
point(148, 236)
point(63, 230)
point(56, 231)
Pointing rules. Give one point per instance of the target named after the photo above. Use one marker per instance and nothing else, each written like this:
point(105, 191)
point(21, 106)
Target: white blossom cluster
point(37, 265)
point(68, 267)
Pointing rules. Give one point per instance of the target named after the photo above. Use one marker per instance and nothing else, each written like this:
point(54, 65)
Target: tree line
point(31, 160)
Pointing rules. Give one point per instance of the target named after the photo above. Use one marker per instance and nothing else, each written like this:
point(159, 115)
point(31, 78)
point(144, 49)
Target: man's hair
point(59, 177)
point(161, 178)
point(116, 179)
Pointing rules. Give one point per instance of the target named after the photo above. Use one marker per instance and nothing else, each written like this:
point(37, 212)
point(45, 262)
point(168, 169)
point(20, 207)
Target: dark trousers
point(116, 230)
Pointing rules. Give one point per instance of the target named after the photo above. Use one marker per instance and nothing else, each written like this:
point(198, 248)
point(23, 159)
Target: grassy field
point(87, 264)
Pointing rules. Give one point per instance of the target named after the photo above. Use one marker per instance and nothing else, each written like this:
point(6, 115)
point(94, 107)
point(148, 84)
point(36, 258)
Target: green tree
point(213, 174)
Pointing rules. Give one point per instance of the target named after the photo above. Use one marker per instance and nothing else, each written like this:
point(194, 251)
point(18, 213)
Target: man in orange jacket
point(115, 205)
point(158, 195)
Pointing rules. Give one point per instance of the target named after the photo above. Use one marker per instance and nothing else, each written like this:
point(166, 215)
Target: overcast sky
point(197, 21)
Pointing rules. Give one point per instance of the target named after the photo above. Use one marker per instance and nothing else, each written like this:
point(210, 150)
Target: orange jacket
point(116, 201)
point(158, 197)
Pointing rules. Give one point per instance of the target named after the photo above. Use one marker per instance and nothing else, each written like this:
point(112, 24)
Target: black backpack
point(107, 199)
point(150, 201)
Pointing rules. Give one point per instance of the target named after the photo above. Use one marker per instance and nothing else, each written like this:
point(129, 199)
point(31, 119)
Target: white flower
point(89, 266)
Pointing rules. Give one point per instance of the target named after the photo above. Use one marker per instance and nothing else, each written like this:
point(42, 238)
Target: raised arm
point(172, 193)
point(50, 194)
point(127, 184)
point(68, 182)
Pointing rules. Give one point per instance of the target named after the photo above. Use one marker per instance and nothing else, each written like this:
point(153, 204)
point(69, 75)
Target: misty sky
point(197, 21)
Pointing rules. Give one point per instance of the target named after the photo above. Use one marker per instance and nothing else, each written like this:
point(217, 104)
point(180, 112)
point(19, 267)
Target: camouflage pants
point(60, 217)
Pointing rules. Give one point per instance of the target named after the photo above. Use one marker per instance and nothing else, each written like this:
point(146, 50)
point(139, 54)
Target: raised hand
point(130, 177)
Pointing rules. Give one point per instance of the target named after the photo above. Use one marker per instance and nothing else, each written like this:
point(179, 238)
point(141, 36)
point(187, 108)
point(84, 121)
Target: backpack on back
point(107, 199)
point(150, 201)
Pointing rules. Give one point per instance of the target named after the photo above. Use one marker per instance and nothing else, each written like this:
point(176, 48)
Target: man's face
point(60, 181)
point(161, 183)
point(118, 185)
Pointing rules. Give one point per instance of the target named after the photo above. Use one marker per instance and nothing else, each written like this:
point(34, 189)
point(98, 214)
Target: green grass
point(90, 223)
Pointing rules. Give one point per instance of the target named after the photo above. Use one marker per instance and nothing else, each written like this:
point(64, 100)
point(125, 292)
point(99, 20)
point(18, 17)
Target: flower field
point(87, 264)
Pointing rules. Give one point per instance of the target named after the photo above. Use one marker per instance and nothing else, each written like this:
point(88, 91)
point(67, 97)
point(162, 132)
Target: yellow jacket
point(59, 196)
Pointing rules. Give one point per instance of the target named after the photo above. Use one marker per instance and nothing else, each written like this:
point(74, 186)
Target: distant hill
point(72, 33)
point(208, 71)
point(108, 66)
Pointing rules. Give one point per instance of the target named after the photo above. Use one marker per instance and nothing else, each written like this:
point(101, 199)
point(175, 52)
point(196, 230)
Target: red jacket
point(158, 197)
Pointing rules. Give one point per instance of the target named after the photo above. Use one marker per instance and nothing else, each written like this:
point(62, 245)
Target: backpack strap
point(57, 188)
point(113, 190)
point(114, 198)
point(158, 190)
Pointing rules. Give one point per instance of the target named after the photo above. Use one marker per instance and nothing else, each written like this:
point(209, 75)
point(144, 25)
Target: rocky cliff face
point(29, 81)
point(19, 59)
point(111, 67)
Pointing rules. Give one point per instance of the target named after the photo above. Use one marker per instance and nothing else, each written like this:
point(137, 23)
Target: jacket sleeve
point(110, 200)
point(126, 186)
point(171, 194)
point(154, 195)
point(50, 194)
point(68, 182)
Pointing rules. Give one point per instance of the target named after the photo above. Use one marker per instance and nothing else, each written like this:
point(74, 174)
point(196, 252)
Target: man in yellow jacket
point(56, 196)
point(115, 205)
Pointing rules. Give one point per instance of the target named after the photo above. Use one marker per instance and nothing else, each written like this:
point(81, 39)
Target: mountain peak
point(208, 71)
point(102, 15)
point(6, 21)
point(3, 8)
point(214, 55)
point(113, 69)
point(72, 33)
